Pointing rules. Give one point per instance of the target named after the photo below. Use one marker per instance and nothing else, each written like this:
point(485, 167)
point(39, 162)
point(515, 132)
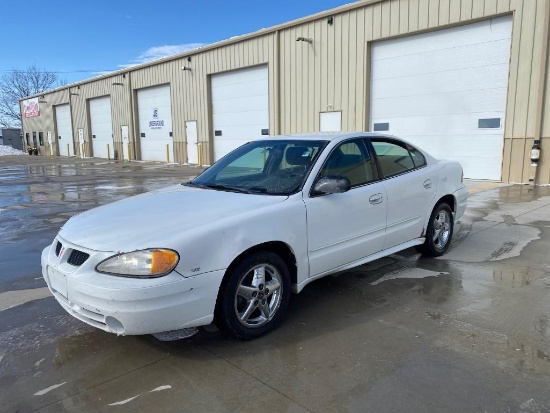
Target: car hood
point(155, 218)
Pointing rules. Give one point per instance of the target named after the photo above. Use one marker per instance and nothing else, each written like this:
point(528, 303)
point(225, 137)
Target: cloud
point(154, 53)
point(158, 52)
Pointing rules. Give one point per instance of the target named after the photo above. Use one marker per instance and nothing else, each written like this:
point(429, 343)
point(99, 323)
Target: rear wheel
point(439, 232)
point(256, 295)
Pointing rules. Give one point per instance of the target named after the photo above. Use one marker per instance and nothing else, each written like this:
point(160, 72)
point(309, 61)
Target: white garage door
point(102, 126)
point(155, 123)
point(240, 108)
point(445, 91)
point(64, 129)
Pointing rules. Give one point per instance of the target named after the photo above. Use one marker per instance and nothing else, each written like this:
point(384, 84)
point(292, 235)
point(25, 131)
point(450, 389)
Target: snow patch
point(123, 401)
point(166, 387)
point(48, 389)
point(8, 150)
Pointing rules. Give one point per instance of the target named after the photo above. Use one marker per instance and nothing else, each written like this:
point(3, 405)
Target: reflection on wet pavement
point(469, 331)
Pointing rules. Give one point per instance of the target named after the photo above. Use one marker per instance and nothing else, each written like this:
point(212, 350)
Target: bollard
point(68, 151)
point(199, 148)
point(51, 149)
point(167, 153)
point(128, 148)
point(108, 152)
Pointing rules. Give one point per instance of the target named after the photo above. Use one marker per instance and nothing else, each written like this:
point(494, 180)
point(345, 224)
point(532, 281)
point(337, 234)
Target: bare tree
point(18, 84)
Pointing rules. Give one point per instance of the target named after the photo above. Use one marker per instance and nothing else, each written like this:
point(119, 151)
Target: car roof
point(330, 136)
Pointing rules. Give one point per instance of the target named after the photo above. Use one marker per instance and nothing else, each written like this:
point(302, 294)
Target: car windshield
point(271, 167)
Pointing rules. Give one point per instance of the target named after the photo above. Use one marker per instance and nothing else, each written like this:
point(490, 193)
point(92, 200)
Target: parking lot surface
point(469, 331)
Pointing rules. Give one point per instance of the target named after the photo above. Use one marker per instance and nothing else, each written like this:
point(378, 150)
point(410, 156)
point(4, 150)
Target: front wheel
point(439, 232)
point(256, 295)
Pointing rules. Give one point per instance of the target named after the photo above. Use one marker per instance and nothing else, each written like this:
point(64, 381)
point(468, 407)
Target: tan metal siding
point(546, 113)
point(444, 12)
point(46, 121)
point(120, 108)
point(332, 74)
point(525, 72)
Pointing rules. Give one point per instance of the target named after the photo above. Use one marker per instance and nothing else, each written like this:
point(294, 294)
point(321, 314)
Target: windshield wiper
point(253, 190)
point(226, 188)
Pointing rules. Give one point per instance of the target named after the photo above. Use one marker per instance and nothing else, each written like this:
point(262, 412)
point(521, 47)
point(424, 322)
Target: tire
point(247, 310)
point(437, 240)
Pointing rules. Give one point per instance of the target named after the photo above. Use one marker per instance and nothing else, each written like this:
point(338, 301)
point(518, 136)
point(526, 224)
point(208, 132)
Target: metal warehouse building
point(464, 79)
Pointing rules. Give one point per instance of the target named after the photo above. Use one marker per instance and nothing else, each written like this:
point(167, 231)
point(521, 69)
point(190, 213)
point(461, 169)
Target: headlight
point(148, 263)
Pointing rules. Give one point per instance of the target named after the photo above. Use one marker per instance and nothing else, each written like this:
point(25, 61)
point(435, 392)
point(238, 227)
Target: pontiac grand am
point(267, 219)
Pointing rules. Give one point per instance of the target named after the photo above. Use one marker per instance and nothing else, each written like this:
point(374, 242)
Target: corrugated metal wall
point(190, 89)
point(118, 88)
point(332, 73)
point(46, 121)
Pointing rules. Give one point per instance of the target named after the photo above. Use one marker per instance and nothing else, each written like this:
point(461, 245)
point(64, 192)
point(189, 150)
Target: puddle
point(408, 273)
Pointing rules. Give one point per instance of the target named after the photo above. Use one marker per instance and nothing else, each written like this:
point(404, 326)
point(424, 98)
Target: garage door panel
point(445, 103)
point(249, 74)
point(472, 34)
point(422, 84)
point(253, 88)
point(459, 146)
point(433, 88)
point(486, 166)
point(480, 55)
point(154, 101)
point(486, 163)
point(240, 107)
point(235, 105)
point(450, 124)
point(242, 119)
point(243, 133)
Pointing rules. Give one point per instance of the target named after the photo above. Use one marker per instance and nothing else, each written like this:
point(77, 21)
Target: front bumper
point(128, 306)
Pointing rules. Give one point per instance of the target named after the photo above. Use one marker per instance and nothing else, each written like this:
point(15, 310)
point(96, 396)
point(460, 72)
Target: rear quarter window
point(417, 157)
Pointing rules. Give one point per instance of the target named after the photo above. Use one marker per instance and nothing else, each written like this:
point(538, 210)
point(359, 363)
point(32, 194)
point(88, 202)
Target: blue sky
point(81, 39)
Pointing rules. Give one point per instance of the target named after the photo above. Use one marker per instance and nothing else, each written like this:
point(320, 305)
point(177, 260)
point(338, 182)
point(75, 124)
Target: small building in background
point(12, 137)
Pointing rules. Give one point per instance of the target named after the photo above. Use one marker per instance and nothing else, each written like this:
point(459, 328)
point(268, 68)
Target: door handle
point(376, 199)
point(428, 183)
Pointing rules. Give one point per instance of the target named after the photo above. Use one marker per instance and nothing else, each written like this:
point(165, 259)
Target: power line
point(59, 71)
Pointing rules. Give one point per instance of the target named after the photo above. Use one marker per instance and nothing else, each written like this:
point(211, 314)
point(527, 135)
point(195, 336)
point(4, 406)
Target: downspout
point(539, 118)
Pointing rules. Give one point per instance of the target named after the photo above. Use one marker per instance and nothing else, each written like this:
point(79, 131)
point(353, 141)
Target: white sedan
point(266, 220)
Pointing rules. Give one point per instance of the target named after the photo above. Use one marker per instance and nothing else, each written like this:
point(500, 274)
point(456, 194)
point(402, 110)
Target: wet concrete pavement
point(466, 332)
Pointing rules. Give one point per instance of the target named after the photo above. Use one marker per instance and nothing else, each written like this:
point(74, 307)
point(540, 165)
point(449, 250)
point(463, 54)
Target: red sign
point(31, 108)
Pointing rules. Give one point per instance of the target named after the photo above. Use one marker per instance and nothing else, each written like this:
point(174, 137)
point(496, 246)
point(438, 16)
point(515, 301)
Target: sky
point(81, 39)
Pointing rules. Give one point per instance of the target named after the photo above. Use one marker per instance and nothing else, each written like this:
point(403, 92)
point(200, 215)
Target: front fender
point(215, 246)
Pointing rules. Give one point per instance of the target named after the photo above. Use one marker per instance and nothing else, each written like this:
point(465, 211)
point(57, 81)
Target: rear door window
point(394, 159)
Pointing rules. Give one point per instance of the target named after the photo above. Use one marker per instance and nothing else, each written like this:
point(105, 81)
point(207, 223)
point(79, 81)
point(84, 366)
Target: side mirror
point(333, 184)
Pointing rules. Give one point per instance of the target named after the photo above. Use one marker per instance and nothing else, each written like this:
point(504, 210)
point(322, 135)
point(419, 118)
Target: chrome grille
point(58, 248)
point(77, 258)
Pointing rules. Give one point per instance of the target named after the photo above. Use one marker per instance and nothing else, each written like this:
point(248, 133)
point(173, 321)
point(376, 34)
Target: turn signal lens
point(141, 264)
point(163, 261)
